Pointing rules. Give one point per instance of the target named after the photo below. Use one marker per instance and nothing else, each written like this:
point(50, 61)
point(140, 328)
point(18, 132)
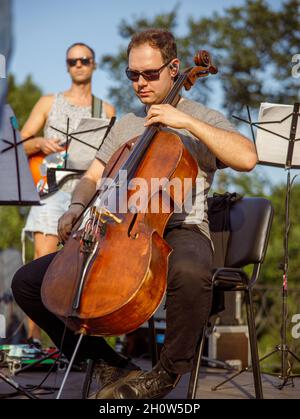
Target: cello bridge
point(103, 215)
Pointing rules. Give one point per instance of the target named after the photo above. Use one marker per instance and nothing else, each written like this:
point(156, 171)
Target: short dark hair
point(156, 38)
point(81, 44)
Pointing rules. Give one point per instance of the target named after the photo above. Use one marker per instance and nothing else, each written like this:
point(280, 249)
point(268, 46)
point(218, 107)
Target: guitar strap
point(97, 105)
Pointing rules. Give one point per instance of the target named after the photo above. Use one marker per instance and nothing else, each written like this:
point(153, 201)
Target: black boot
point(106, 374)
point(154, 384)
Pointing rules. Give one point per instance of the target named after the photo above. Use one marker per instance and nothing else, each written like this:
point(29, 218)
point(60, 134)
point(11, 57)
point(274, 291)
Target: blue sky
point(44, 29)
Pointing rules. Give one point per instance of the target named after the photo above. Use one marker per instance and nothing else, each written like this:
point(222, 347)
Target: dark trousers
point(188, 303)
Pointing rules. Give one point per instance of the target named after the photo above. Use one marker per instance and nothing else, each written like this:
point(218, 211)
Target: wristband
point(77, 203)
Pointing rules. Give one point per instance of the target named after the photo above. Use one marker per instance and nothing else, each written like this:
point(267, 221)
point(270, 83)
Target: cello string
point(137, 153)
point(143, 143)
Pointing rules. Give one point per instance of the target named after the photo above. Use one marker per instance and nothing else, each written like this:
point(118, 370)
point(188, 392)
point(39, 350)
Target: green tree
point(256, 184)
point(252, 45)
point(248, 184)
point(12, 221)
point(22, 97)
point(275, 253)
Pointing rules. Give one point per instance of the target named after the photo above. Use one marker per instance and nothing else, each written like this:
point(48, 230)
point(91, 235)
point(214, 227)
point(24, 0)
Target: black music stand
point(90, 133)
point(282, 122)
point(16, 183)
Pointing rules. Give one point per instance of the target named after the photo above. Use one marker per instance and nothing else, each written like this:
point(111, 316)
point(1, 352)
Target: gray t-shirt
point(132, 125)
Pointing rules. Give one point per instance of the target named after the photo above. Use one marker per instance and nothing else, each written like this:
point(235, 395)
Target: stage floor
point(240, 388)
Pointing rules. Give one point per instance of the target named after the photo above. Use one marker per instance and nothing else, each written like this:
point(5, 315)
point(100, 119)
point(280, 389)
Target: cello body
point(125, 280)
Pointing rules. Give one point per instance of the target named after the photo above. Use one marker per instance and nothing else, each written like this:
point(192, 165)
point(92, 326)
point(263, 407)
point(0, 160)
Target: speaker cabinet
point(231, 344)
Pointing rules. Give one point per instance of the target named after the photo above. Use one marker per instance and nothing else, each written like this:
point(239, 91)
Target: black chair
point(250, 221)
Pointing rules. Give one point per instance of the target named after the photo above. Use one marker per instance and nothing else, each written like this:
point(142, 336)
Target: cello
point(111, 274)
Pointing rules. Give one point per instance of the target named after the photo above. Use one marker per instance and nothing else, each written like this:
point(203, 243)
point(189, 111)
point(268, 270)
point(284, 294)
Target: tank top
point(58, 116)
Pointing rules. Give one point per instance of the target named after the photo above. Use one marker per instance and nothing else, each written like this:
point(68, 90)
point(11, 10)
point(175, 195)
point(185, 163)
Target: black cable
point(294, 177)
point(58, 359)
point(60, 350)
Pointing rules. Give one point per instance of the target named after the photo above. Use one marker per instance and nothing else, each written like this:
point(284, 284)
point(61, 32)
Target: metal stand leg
point(253, 346)
point(69, 366)
point(193, 383)
point(285, 374)
point(254, 352)
point(17, 387)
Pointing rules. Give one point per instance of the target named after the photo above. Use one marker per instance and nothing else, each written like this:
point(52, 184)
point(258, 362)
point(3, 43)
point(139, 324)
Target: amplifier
point(231, 344)
point(232, 315)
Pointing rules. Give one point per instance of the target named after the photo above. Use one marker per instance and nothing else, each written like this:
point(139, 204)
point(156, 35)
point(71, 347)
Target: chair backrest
point(250, 221)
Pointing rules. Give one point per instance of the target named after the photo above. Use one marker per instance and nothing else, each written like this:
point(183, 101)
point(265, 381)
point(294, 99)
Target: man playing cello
point(152, 67)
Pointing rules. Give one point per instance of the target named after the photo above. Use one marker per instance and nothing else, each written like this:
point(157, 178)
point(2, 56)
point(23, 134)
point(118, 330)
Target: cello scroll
point(203, 68)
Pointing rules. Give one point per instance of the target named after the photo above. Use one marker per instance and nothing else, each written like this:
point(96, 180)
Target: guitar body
point(35, 163)
point(39, 165)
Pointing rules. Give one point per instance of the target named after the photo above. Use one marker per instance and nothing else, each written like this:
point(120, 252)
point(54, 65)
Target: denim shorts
point(44, 218)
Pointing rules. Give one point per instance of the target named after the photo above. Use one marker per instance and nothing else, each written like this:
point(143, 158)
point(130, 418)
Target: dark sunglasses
point(149, 75)
point(83, 60)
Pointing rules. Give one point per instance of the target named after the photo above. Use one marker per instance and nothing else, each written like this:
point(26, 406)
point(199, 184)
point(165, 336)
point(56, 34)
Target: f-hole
point(133, 236)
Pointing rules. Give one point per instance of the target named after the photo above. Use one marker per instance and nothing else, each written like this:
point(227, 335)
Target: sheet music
point(83, 143)
point(94, 138)
point(270, 147)
point(8, 167)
